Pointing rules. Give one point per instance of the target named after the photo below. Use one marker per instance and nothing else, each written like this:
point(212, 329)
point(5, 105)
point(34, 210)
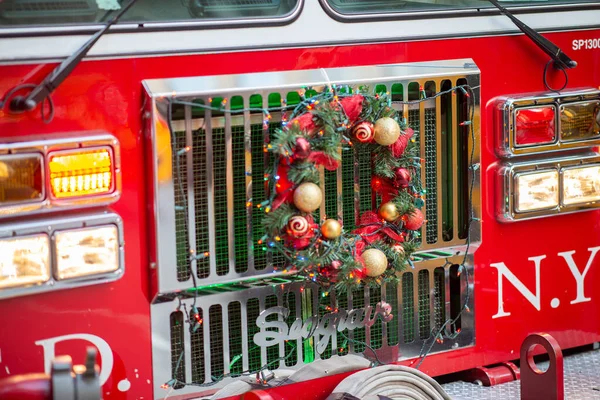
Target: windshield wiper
point(561, 60)
point(40, 92)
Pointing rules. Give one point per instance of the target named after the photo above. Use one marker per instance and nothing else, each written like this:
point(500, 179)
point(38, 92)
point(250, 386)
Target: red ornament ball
point(414, 221)
point(364, 132)
point(298, 226)
point(402, 178)
point(302, 149)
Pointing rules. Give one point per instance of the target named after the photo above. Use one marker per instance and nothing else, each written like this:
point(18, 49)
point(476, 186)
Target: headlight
point(24, 261)
point(21, 179)
point(537, 190)
point(85, 172)
point(60, 253)
point(40, 176)
point(581, 185)
point(547, 123)
point(88, 251)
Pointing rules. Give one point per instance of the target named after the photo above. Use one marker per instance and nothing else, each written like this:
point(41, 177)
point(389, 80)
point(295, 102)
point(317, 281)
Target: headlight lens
point(87, 251)
point(24, 261)
point(535, 126)
point(536, 190)
point(83, 172)
point(579, 121)
point(21, 178)
point(581, 185)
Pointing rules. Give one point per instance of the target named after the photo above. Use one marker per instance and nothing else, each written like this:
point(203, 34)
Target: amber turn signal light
point(81, 172)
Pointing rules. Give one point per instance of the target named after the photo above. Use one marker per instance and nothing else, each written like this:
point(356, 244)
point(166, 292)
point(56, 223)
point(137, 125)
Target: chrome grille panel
point(224, 343)
point(206, 197)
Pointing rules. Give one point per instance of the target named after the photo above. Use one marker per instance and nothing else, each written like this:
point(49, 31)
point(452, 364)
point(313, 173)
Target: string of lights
point(436, 335)
point(446, 330)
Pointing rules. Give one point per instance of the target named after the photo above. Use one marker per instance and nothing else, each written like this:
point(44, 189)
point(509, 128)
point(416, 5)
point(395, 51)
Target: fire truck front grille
point(209, 168)
point(217, 185)
point(224, 344)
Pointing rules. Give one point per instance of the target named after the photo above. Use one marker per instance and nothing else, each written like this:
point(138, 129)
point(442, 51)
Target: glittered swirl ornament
point(308, 197)
point(386, 131)
point(375, 262)
point(364, 132)
point(297, 226)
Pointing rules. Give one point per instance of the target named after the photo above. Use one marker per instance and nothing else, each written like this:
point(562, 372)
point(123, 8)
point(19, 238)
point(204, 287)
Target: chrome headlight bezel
point(50, 227)
point(506, 186)
point(506, 109)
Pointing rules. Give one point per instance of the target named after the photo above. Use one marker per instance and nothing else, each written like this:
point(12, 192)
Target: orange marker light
point(81, 172)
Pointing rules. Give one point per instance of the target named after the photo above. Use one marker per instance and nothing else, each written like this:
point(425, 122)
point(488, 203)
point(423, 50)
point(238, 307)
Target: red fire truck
point(134, 152)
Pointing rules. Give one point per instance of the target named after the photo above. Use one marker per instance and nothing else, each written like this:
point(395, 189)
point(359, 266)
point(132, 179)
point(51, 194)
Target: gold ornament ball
point(375, 262)
point(389, 211)
point(308, 197)
point(387, 131)
point(331, 229)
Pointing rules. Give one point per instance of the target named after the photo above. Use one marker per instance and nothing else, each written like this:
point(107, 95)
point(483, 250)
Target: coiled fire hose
point(389, 382)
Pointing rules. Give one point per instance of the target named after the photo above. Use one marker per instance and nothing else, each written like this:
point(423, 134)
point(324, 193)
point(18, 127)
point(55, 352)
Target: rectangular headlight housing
point(70, 172)
point(539, 188)
point(24, 261)
point(87, 251)
point(543, 123)
point(60, 253)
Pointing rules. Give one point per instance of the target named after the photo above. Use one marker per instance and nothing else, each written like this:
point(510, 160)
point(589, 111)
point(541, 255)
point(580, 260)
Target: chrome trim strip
point(62, 142)
point(455, 131)
point(191, 202)
point(51, 225)
point(230, 188)
point(248, 179)
point(507, 172)
point(439, 176)
point(210, 192)
point(505, 114)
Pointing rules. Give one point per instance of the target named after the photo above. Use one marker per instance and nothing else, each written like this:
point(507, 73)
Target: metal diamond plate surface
point(582, 382)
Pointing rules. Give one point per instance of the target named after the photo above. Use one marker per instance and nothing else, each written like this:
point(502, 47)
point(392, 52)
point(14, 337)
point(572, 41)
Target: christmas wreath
point(382, 243)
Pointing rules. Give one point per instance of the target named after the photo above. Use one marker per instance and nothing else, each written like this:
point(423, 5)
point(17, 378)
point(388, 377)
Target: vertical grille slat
point(220, 196)
point(439, 295)
point(217, 366)
point(234, 319)
point(424, 306)
point(392, 297)
point(177, 348)
point(191, 202)
point(197, 349)
point(408, 307)
point(248, 173)
point(430, 173)
point(180, 197)
point(199, 149)
point(210, 193)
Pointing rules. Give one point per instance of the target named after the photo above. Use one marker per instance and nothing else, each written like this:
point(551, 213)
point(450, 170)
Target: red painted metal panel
point(107, 95)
